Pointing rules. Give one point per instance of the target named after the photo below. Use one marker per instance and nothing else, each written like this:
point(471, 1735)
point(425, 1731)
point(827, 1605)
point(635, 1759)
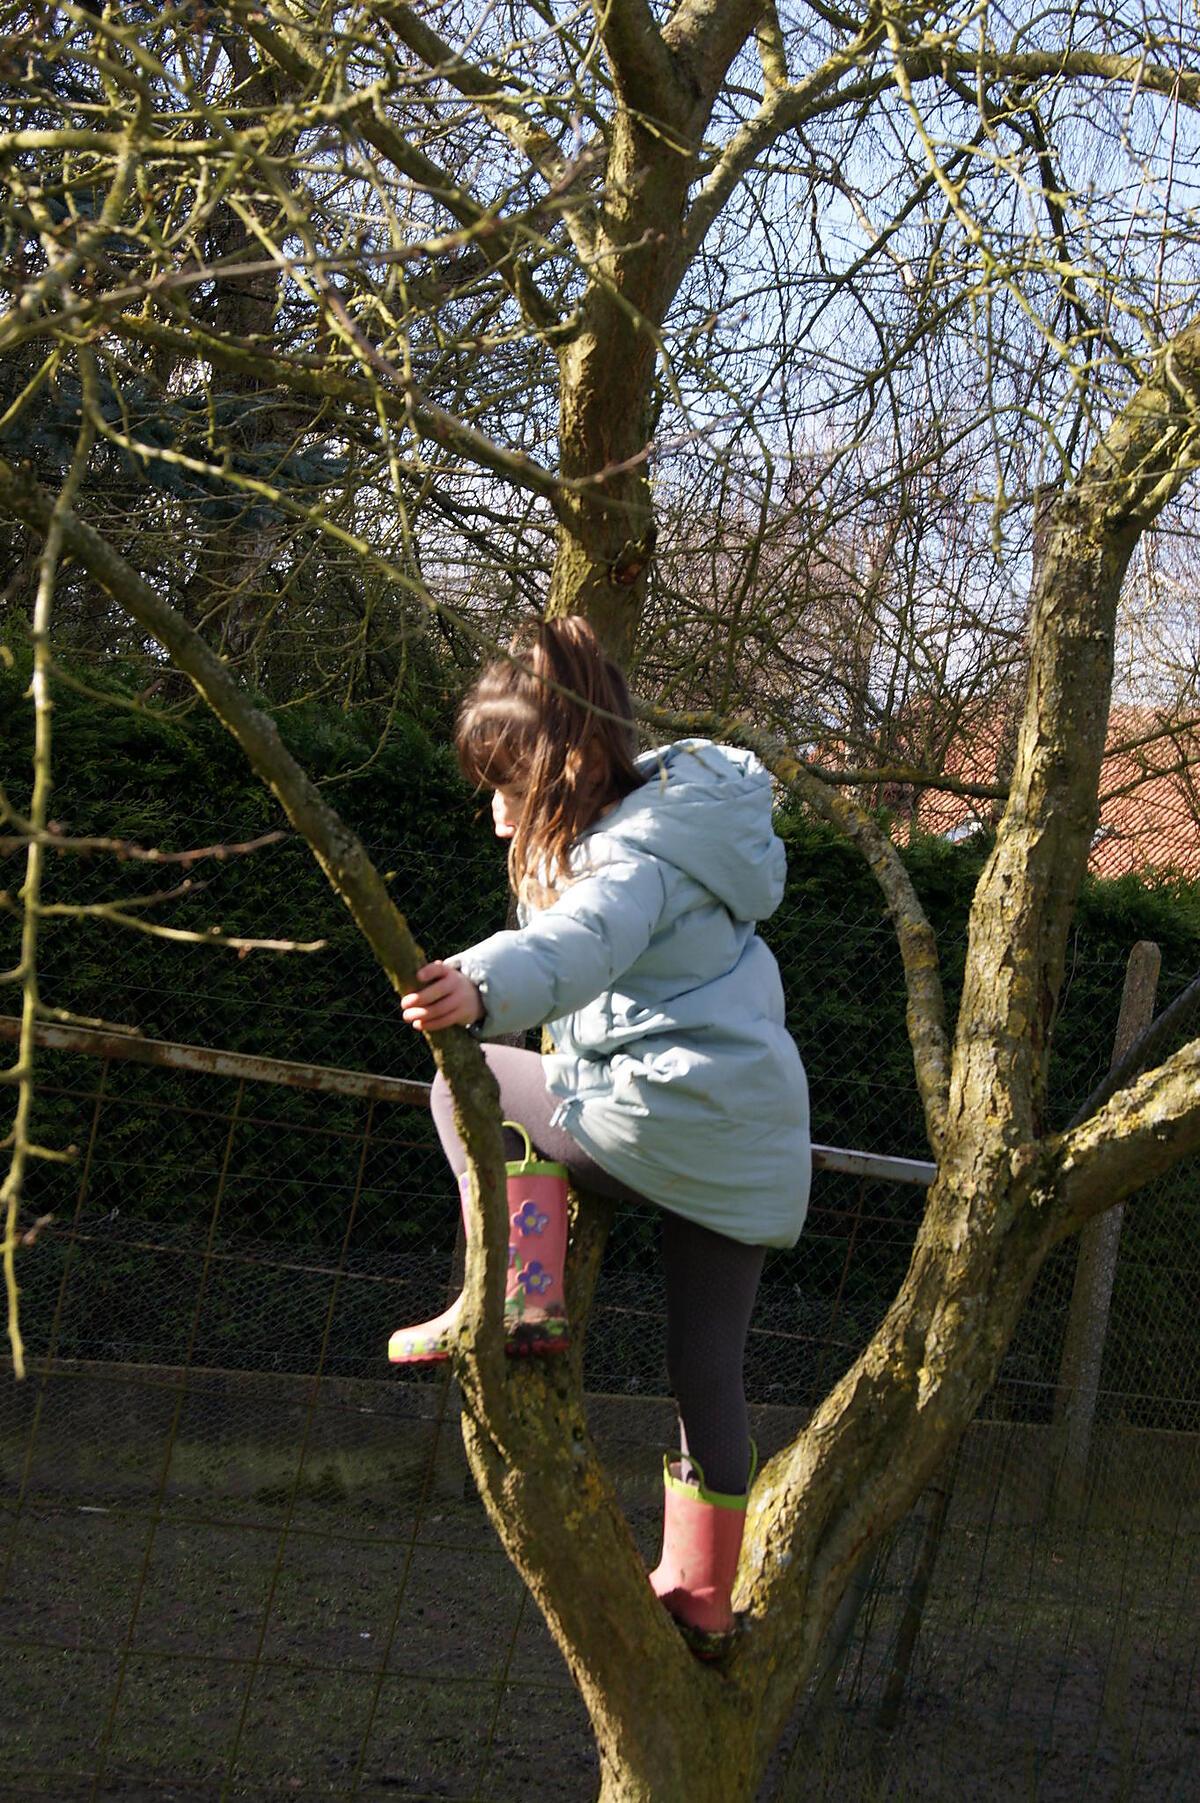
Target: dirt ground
point(237, 1623)
point(346, 1661)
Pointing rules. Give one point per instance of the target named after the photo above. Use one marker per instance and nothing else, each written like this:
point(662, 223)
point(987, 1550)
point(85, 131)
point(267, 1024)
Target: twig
point(181, 935)
point(127, 848)
point(22, 1072)
point(77, 910)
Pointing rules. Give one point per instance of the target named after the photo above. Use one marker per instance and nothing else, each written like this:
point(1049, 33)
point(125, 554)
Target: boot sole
point(517, 1346)
point(514, 1346)
point(707, 1644)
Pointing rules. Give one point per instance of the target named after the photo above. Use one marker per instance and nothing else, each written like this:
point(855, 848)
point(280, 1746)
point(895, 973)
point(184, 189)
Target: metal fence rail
point(136, 1049)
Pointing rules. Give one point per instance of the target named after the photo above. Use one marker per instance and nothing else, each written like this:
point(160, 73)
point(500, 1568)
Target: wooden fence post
point(1091, 1295)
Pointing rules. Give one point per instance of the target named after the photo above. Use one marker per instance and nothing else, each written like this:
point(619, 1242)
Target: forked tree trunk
point(1003, 1198)
point(666, 1726)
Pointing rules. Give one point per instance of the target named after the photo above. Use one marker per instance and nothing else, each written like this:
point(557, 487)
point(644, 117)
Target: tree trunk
point(666, 87)
point(664, 1725)
point(606, 388)
point(606, 527)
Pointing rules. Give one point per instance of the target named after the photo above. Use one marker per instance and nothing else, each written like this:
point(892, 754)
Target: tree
point(510, 259)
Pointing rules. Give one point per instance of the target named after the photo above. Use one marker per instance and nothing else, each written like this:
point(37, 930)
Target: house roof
point(1149, 787)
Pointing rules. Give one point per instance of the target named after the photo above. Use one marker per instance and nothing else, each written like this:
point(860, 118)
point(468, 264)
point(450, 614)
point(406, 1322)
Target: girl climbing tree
point(672, 1078)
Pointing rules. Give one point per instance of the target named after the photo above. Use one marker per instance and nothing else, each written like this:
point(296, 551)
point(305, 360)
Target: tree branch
point(121, 849)
point(1154, 446)
point(782, 110)
point(503, 113)
point(1168, 1026)
point(643, 68)
point(772, 50)
point(926, 60)
point(402, 402)
point(1023, 904)
point(911, 775)
point(1139, 1134)
point(705, 36)
point(355, 880)
point(290, 54)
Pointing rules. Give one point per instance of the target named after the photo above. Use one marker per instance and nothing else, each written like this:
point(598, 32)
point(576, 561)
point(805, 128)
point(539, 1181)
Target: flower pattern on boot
point(530, 1219)
point(534, 1305)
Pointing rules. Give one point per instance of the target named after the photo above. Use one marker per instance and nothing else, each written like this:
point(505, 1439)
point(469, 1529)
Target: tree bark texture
point(666, 86)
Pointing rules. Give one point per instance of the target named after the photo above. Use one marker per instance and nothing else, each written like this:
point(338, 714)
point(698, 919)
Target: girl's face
point(508, 804)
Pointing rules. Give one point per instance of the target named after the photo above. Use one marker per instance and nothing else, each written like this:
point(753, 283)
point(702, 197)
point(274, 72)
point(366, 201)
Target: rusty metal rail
point(134, 1049)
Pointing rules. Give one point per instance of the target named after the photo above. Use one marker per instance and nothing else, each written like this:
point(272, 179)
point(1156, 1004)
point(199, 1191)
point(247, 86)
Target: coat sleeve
point(570, 952)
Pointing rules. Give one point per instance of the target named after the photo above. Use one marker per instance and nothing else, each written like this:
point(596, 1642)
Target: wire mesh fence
point(240, 1559)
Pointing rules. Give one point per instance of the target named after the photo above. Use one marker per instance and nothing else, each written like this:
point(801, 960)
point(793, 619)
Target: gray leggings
point(711, 1281)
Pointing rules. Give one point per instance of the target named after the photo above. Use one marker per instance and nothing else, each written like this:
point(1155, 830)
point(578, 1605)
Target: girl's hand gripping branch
point(446, 999)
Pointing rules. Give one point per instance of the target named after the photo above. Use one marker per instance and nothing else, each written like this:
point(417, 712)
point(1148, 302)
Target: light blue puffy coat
point(673, 1065)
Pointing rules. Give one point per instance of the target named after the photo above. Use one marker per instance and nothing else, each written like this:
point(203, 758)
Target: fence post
point(917, 1595)
point(1091, 1295)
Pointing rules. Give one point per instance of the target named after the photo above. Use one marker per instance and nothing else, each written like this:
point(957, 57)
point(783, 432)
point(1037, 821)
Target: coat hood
point(706, 809)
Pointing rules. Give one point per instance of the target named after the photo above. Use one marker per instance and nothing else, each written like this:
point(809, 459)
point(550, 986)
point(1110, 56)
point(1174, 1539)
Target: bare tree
point(515, 257)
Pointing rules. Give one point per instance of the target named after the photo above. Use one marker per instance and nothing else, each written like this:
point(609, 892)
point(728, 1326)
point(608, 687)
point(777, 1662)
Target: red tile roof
point(1149, 787)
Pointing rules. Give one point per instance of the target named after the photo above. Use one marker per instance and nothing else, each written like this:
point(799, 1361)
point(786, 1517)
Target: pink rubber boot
point(535, 1306)
point(702, 1540)
point(535, 1313)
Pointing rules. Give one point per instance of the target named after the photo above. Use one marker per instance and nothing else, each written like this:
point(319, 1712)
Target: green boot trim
point(701, 1490)
point(529, 1166)
point(551, 1334)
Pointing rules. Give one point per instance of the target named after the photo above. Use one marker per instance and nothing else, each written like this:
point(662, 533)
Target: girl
point(673, 1078)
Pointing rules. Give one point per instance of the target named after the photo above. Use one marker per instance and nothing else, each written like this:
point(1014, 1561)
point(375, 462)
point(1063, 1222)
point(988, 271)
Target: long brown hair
point(553, 716)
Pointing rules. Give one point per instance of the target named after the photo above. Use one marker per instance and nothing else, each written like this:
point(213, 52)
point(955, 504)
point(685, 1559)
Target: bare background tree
point(334, 340)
